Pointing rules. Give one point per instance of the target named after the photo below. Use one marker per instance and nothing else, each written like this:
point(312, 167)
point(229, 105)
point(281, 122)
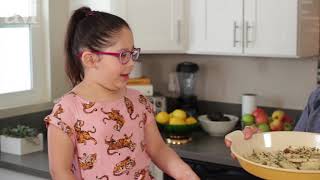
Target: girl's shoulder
point(71, 99)
point(68, 99)
point(134, 94)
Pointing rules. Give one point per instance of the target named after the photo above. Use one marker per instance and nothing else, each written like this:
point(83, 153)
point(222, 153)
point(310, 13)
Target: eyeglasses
point(124, 56)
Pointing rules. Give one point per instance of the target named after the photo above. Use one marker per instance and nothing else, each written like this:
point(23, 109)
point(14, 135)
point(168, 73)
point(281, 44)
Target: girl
point(101, 129)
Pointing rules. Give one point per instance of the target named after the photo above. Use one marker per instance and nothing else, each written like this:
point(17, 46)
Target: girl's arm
point(60, 152)
point(164, 157)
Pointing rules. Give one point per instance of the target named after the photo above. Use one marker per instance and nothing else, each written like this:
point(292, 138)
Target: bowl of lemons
point(176, 123)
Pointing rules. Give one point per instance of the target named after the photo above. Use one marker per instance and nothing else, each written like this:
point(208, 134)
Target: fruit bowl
point(177, 130)
point(176, 126)
point(178, 134)
point(271, 142)
point(218, 128)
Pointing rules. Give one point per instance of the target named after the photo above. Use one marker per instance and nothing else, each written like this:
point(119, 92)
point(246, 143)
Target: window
point(23, 47)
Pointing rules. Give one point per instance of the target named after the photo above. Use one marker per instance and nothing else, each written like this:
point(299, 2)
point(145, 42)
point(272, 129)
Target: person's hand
point(248, 131)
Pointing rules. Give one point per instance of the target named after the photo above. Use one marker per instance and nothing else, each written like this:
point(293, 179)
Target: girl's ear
point(89, 59)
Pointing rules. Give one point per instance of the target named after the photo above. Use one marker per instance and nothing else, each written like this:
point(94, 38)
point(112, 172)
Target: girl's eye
point(125, 55)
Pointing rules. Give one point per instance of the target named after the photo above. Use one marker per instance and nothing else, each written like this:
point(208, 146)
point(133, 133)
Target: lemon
point(191, 120)
point(162, 117)
point(176, 121)
point(178, 113)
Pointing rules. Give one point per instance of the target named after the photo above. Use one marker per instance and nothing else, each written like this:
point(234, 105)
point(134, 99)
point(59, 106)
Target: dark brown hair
point(93, 30)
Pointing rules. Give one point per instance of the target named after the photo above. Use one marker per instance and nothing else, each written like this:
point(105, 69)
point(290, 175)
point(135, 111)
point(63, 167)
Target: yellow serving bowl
point(270, 142)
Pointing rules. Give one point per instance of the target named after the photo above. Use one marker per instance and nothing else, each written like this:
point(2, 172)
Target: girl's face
point(109, 72)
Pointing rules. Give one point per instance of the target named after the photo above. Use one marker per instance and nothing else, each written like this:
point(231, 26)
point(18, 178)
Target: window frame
point(40, 92)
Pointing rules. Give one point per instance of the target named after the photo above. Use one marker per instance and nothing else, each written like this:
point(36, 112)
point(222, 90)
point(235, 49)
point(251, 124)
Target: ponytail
point(73, 64)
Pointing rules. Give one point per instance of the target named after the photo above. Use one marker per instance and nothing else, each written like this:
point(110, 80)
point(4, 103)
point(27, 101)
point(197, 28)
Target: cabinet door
point(215, 26)
point(270, 27)
point(157, 25)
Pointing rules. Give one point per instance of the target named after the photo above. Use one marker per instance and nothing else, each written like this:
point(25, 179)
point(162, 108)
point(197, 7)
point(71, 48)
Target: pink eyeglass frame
point(115, 54)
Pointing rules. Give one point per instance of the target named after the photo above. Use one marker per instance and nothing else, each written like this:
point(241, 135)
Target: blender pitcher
point(187, 73)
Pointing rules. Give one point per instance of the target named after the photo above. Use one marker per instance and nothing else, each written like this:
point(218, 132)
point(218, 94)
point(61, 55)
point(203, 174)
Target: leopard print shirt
point(107, 136)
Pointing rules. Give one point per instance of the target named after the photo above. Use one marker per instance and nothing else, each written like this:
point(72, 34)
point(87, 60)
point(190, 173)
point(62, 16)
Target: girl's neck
point(95, 92)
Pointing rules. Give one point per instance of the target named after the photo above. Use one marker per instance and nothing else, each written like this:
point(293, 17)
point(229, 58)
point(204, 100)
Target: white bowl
point(218, 128)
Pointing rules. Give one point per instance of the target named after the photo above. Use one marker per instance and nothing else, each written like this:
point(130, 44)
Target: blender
point(187, 75)
point(187, 100)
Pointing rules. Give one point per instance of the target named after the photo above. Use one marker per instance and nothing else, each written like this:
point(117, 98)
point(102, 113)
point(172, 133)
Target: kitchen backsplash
point(279, 82)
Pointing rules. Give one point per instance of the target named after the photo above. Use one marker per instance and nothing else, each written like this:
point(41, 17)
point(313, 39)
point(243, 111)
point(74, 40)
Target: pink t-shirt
point(108, 137)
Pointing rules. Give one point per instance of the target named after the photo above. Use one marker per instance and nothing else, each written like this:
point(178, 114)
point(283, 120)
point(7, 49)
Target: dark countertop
point(202, 148)
point(34, 164)
point(206, 148)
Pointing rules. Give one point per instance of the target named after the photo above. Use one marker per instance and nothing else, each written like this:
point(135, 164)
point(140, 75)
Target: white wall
point(284, 83)
point(59, 14)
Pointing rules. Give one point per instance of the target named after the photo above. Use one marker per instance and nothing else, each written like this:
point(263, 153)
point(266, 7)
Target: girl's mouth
point(125, 76)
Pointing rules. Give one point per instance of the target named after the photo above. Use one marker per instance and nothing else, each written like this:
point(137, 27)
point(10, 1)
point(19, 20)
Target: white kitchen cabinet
point(272, 28)
point(158, 26)
point(215, 26)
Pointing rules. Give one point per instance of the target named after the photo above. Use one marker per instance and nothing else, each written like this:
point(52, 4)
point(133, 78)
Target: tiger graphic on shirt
point(125, 142)
point(83, 136)
point(87, 106)
point(58, 112)
point(65, 128)
point(143, 146)
point(124, 166)
point(140, 175)
point(103, 177)
point(130, 108)
point(87, 161)
point(114, 115)
point(143, 121)
point(143, 100)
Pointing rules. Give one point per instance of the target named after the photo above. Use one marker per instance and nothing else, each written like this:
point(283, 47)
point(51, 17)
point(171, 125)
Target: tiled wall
point(279, 82)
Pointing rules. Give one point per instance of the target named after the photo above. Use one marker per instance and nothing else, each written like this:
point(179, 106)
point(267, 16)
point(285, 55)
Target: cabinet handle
point(235, 27)
point(179, 31)
point(248, 27)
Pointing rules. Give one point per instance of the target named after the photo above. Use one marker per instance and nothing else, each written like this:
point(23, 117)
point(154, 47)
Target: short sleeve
point(62, 117)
